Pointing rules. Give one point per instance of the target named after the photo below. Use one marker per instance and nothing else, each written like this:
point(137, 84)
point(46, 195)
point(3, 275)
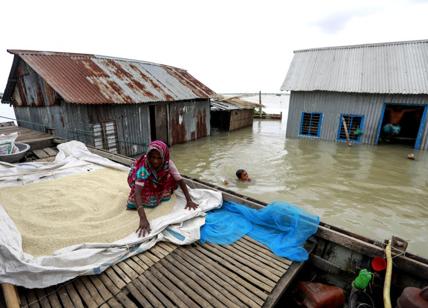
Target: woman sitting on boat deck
point(152, 179)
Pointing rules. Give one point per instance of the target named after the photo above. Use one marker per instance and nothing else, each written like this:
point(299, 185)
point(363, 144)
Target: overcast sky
point(231, 46)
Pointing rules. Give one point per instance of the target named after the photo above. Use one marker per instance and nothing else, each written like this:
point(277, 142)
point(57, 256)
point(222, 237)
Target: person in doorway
point(242, 175)
point(152, 179)
point(395, 115)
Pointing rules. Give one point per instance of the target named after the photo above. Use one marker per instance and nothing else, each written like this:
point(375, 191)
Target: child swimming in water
point(242, 175)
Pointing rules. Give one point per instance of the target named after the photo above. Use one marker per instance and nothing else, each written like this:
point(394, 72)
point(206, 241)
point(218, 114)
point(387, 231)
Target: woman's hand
point(144, 227)
point(190, 205)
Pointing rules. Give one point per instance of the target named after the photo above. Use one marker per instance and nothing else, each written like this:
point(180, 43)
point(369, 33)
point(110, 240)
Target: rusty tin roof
point(93, 79)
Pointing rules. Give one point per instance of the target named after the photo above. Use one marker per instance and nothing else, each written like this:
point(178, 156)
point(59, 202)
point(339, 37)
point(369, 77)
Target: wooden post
point(260, 102)
point(345, 127)
point(10, 295)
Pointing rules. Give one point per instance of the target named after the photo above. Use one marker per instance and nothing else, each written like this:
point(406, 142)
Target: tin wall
point(72, 121)
point(188, 120)
point(332, 104)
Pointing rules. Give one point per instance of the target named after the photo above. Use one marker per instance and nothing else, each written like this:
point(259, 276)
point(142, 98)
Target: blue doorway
point(402, 124)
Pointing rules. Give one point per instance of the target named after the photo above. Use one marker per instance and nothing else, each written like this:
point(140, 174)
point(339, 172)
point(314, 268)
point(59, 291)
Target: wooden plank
point(126, 302)
point(114, 303)
point(108, 283)
point(145, 259)
point(134, 266)
point(50, 151)
point(160, 249)
point(53, 297)
point(146, 293)
point(165, 270)
point(249, 273)
point(104, 292)
point(165, 290)
point(252, 243)
point(84, 293)
point(10, 295)
point(233, 291)
point(283, 284)
point(121, 274)
point(92, 290)
point(170, 247)
point(177, 292)
point(118, 282)
point(137, 260)
point(127, 270)
point(105, 305)
point(40, 153)
point(65, 298)
point(260, 255)
point(43, 298)
point(252, 263)
point(74, 296)
point(33, 301)
point(176, 266)
point(154, 256)
point(138, 295)
point(38, 142)
point(155, 291)
point(227, 273)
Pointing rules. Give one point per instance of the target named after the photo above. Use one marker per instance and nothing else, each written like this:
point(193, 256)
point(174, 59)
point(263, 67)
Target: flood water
point(371, 190)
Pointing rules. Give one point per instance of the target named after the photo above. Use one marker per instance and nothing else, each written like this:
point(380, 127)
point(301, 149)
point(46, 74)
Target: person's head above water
point(157, 153)
point(242, 175)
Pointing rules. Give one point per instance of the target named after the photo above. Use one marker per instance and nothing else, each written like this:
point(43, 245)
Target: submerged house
point(359, 90)
point(116, 104)
point(231, 113)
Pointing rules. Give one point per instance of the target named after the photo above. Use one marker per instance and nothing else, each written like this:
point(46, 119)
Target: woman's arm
point(144, 226)
point(189, 204)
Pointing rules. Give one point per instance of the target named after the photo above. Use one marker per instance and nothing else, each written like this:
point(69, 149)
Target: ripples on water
point(371, 190)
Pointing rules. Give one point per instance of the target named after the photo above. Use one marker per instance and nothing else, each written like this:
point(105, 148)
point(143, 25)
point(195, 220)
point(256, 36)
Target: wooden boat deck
point(245, 274)
point(37, 140)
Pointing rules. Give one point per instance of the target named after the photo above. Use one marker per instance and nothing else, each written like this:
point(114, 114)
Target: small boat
point(228, 275)
point(337, 256)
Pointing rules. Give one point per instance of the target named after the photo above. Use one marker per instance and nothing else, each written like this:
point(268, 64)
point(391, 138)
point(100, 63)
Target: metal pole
point(260, 102)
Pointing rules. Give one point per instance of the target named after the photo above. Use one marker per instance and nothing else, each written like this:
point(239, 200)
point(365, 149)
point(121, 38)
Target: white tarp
point(19, 268)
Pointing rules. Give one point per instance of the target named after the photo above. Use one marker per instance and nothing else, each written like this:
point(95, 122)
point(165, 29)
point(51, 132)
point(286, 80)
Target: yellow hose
point(387, 284)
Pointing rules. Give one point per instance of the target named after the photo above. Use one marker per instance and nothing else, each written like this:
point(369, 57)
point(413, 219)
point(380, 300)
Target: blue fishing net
point(280, 226)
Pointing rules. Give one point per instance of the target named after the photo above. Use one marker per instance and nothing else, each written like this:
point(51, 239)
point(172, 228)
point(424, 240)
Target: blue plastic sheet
point(280, 226)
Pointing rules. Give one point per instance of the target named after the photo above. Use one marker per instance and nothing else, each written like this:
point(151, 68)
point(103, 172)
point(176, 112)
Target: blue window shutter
point(310, 124)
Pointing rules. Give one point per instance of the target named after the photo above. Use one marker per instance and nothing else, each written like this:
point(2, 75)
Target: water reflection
point(371, 190)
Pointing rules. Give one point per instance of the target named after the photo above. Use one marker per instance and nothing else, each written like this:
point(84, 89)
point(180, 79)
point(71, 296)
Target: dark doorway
point(158, 123)
point(152, 123)
point(401, 124)
point(220, 120)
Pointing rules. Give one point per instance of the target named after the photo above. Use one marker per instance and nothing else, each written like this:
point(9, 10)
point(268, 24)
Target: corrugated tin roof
point(388, 68)
point(220, 102)
point(93, 79)
point(222, 106)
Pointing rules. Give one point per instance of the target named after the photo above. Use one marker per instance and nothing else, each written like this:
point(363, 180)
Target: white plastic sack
point(181, 226)
point(7, 143)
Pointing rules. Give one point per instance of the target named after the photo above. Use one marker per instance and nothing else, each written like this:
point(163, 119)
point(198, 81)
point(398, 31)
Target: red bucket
point(378, 264)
